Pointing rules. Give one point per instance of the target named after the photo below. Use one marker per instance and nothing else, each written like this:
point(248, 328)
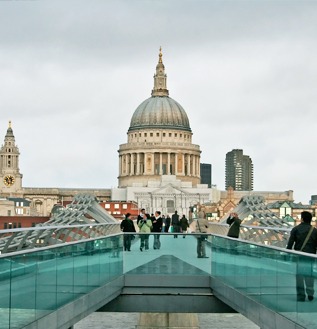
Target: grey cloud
point(73, 72)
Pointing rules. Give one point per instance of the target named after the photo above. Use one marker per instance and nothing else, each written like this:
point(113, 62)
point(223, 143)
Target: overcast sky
point(72, 74)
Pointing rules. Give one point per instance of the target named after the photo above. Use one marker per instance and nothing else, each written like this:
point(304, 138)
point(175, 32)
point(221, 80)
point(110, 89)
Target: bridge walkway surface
point(56, 287)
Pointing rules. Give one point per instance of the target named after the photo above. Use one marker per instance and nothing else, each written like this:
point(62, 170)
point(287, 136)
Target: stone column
point(168, 172)
point(183, 164)
point(120, 165)
point(161, 164)
point(198, 165)
point(138, 163)
point(189, 167)
point(125, 161)
point(153, 164)
point(127, 164)
point(132, 164)
point(176, 167)
point(194, 166)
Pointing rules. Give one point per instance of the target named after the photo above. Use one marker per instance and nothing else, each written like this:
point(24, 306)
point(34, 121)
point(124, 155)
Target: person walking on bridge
point(202, 227)
point(304, 238)
point(145, 226)
point(167, 223)
point(175, 224)
point(141, 215)
point(184, 225)
point(127, 225)
point(157, 223)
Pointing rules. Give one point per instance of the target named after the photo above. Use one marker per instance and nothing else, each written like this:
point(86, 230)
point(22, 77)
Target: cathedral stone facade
point(159, 166)
point(159, 140)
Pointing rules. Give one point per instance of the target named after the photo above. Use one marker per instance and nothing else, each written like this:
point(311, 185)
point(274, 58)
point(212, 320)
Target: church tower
point(10, 177)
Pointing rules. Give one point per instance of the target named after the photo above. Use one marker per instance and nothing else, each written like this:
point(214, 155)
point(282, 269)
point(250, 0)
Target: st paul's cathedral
point(159, 166)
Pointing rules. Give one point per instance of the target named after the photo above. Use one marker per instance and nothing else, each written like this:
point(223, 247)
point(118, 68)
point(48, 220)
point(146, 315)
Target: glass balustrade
point(35, 283)
point(267, 275)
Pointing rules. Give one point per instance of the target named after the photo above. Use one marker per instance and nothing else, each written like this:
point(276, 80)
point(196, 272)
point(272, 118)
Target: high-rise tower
point(205, 173)
point(239, 171)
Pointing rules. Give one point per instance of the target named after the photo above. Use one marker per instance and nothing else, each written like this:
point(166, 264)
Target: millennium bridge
point(55, 274)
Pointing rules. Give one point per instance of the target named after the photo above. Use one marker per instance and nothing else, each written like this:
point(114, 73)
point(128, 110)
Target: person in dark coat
point(157, 223)
point(304, 238)
point(141, 215)
point(175, 223)
point(167, 223)
point(163, 225)
point(127, 225)
point(234, 221)
point(184, 224)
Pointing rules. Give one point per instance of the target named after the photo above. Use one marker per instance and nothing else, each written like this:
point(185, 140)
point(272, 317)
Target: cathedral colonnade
point(159, 163)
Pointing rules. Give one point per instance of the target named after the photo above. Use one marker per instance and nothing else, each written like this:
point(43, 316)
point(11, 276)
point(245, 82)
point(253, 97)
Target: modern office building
point(206, 174)
point(239, 171)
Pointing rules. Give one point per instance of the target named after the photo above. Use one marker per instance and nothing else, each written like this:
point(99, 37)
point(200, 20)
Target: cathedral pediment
point(168, 189)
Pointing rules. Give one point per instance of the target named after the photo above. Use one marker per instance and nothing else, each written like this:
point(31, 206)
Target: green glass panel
point(94, 265)
point(23, 289)
point(80, 254)
point(46, 283)
point(267, 275)
point(65, 275)
point(5, 274)
point(104, 250)
point(115, 256)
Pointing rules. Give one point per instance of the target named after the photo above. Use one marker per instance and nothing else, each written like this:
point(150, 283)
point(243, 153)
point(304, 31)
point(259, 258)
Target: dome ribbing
point(160, 111)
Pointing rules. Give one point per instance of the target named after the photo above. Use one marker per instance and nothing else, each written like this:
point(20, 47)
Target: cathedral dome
point(160, 111)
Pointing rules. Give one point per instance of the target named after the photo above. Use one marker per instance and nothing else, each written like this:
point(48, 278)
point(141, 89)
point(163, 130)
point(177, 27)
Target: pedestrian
point(304, 238)
point(167, 223)
point(202, 227)
point(175, 224)
point(157, 223)
point(127, 225)
point(145, 226)
point(164, 222)
point(184, 225)
point(141, 215)
point(234, 221)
